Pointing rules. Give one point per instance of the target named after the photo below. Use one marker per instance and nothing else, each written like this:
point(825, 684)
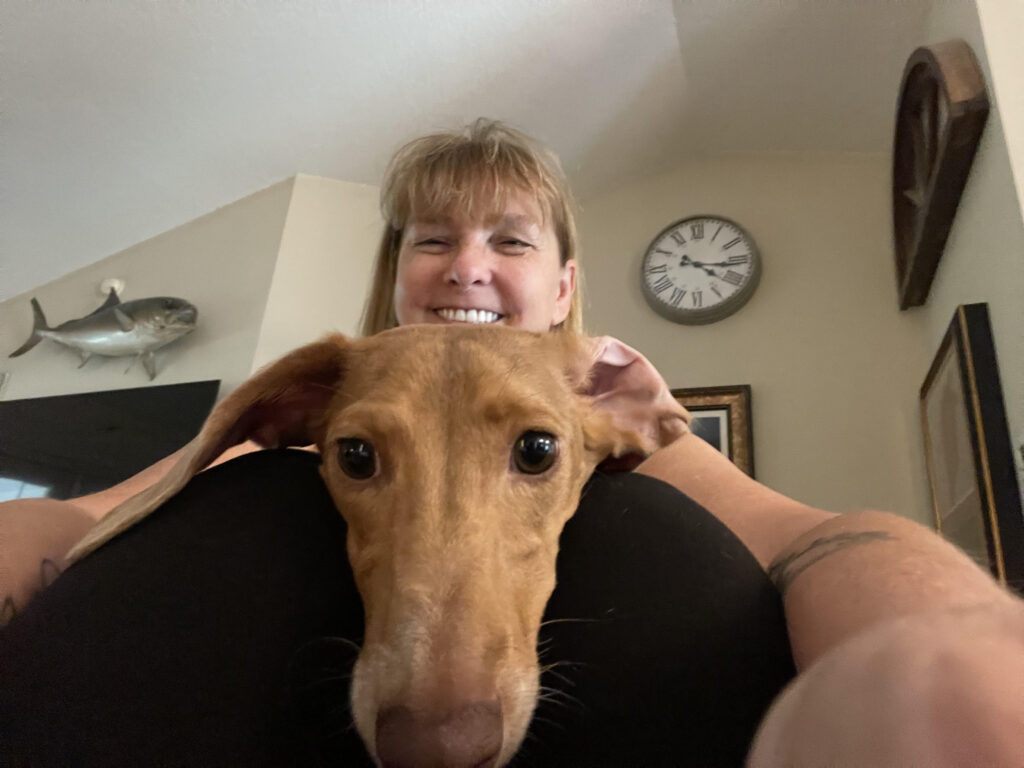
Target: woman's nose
point(470, 265)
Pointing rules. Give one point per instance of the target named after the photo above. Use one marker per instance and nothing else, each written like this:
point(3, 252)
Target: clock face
point(700, 269)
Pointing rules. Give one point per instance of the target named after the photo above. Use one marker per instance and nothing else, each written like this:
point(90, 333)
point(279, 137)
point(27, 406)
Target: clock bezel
point(719, 311)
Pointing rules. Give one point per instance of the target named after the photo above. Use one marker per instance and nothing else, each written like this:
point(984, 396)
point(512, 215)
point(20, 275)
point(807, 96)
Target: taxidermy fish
point(130, 329)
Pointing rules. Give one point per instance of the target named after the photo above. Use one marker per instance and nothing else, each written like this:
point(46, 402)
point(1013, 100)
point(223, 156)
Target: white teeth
point(468, 316)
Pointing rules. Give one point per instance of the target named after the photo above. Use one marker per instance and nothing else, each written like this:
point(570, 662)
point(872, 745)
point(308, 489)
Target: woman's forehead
point(509, 205)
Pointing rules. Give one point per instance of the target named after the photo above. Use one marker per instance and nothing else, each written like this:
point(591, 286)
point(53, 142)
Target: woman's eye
point(432, 244)
point(514, 244)
point(357, 458)
point(535, 452)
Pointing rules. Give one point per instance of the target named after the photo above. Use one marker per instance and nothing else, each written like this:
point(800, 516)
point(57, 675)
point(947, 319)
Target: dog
point(455, 454)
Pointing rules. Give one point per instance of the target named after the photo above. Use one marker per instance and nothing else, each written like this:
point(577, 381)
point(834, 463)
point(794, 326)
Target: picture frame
point(971, 472)
point(722, 416)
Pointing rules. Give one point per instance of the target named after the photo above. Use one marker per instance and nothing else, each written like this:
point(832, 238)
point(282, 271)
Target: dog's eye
point(357, 458)
point(535, 452)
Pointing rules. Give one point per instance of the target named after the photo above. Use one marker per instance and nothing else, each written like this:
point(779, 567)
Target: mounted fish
point(118, 329)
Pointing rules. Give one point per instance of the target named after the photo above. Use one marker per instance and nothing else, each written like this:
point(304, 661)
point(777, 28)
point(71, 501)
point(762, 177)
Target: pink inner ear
point(623, 382)
point(292, 416)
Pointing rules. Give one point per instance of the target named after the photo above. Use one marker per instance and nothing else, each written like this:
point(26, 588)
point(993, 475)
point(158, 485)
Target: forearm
point(839, 575)
point(860, 569)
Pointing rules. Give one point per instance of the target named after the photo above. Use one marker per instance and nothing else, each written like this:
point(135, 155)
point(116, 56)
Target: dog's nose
point(467, 737)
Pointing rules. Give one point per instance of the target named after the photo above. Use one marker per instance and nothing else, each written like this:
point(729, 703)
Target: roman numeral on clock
point(697, 230)
point(733, 278)
point(680, 240)
point(677, 296)
point(697, 299)
point(734, 260)
point(731, 243)
point(660, 269)
point(662, 285)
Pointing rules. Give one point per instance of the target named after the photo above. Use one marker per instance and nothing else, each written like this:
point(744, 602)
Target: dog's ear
point(632, 413)
point(281, 405)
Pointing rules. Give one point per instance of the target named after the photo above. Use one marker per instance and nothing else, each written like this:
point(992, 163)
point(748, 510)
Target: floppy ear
point(281, 405)
point(632, 412)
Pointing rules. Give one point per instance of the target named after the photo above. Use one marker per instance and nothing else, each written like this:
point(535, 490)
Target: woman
point(197, 638)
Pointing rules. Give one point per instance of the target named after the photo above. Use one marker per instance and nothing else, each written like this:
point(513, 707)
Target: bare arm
point(909, 653)
point(838, 574)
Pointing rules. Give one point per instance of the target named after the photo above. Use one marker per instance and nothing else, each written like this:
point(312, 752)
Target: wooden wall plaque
point(939, 120)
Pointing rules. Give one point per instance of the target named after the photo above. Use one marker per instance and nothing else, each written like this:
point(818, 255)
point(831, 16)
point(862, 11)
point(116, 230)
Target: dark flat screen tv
point(71, 445)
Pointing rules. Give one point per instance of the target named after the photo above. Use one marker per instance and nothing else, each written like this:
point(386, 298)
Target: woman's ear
point(566, 288)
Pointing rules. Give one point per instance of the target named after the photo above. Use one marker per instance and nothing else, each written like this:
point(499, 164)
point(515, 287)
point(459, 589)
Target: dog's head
point(456, 455)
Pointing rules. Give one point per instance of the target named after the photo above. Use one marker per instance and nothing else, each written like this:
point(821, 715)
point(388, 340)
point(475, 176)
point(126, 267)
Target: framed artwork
point(722, 417)
point(971, 472)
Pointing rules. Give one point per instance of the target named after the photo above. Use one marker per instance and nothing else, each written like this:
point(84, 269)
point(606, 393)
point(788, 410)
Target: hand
point(35, 535)
point(939, 689)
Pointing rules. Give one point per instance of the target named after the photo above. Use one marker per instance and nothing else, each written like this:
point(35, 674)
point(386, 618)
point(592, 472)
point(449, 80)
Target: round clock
point(700, 269)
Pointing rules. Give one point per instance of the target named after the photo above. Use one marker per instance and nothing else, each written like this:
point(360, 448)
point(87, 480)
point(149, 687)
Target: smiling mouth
point(468, 315)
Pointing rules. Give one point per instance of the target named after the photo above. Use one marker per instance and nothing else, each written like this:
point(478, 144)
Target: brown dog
point(456, 455)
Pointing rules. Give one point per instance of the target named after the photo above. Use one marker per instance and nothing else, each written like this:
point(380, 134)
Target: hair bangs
point(476, 179)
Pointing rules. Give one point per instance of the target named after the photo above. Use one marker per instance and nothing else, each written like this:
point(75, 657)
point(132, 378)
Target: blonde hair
point(473, 170)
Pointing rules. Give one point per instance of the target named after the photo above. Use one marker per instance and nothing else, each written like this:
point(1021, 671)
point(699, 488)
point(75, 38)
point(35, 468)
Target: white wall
point(833, 364)
point(984, 257)
point(323, 265)
point(222, 262)
point(1002, 22)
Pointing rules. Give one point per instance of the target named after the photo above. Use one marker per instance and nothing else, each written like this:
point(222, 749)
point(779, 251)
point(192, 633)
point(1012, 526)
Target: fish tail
point(38, 324)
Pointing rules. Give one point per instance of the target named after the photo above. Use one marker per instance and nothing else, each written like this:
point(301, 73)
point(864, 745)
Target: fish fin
point(112, 301)
point(38, 324)
point(123, 320)
point(86, 356)
point(149, 363)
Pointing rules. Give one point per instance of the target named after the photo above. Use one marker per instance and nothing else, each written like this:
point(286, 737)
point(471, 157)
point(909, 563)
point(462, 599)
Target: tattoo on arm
point(785, 570)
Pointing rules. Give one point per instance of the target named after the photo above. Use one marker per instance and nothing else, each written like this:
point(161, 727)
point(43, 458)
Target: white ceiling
point(121, 119)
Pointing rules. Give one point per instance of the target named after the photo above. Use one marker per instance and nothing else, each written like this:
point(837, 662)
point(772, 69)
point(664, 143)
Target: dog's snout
point(469, 736)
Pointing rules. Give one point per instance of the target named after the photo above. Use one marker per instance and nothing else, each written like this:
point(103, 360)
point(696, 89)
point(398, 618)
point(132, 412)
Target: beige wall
point(222, 262)
point(835, 367)
point(1002, 22)
point(323, 265)
point(984, 257)
point(268, 273)
point(833, 364)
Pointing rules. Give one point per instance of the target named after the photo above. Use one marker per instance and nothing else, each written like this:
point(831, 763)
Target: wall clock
point(941, 114)
point(700, 269)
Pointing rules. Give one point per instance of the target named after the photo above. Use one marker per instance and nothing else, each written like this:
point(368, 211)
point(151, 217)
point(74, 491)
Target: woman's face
point(503, 270)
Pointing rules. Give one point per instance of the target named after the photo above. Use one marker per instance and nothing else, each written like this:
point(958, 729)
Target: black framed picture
point(971, 473)
point(722, 417)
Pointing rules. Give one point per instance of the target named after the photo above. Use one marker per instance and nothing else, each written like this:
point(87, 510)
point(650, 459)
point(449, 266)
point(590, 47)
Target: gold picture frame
point(722, 416)
point(971, 471)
